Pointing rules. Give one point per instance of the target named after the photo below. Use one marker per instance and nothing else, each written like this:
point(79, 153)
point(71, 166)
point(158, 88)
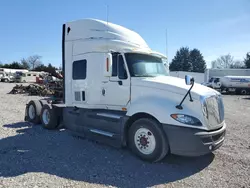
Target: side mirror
point(108, 65)
point(189, 80)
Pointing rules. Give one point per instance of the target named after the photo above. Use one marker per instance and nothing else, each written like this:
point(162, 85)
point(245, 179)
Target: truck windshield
point(143, 65)
point(211, 80)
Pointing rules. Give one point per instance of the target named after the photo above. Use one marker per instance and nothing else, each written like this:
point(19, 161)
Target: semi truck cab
point(214, 83)
point(118, 91)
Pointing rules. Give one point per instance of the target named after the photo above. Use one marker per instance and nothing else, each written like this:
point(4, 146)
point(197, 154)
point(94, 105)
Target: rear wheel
point(33, 111)
point(147, 140)
point(49, 117)
point(243, 92)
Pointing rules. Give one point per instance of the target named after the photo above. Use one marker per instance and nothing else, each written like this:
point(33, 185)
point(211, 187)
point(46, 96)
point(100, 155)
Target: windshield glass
point(143, 65)
point(211, 80)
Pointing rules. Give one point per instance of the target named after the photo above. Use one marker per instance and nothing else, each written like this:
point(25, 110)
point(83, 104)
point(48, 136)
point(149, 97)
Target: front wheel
point(147, 140)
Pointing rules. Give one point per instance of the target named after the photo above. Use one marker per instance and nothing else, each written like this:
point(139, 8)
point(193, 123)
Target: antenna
point(167, 44)
point(107, 14)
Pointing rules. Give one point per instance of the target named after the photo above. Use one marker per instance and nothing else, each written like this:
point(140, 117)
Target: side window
point(114, 64)
point(216, 80)
point(79, 69)
point(122, 74)
point(34, 74)
point(28, 74)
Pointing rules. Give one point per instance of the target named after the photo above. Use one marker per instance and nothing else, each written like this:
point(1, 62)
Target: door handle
point(120, 82)
point(103, 91)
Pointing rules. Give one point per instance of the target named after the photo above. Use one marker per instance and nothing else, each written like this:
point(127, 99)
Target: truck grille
point(215, 110)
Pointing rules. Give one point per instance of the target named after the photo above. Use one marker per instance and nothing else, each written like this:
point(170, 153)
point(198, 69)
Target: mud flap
point(25, 116)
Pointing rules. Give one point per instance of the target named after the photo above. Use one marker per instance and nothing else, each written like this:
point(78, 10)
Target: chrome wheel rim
point(46, 116)
point(32, 112)
point(145, 141)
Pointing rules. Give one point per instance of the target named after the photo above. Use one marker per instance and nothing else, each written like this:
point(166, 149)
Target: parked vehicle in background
point(231, 84)
point(8, 75)
point(30, 76)
point(218, 73)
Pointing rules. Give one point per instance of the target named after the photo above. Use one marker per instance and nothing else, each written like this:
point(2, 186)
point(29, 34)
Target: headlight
point(186, 119)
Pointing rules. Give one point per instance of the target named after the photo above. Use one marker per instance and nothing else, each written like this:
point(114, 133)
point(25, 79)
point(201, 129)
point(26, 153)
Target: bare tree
point(237, 65)
point(34, 61)
point(213, 64)
point(224, 61)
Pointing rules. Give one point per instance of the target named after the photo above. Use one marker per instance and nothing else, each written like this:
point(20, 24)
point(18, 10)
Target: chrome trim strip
point(104, 133)
point(109, 115)
point(212, 133)
point(215, 143)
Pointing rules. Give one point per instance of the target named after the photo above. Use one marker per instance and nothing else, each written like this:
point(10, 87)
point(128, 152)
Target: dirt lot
point(33, 157)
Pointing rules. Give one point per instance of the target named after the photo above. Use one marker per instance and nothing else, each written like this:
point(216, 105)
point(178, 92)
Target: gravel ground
point(33, 157)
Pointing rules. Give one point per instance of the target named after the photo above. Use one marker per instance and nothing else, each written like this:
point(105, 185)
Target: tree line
point(32, 63)
point(192, 60)
point(189, 60)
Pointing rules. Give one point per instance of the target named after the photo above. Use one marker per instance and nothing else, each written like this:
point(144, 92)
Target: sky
point(215, 27)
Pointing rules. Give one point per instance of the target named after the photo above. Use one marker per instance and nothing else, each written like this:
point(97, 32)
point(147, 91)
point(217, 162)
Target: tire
point(34, 108)
point(147, 134)
point(43, 102)
point(49, 117)
point(243, 92)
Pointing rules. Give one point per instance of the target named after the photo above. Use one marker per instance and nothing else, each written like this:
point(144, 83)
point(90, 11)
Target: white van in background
point(27, 76)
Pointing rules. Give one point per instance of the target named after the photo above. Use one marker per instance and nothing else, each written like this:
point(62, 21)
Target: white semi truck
point(233, 84)
point(117, 91)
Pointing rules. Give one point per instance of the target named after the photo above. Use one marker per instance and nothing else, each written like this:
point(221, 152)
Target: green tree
point(50, 69)
point(247, 60)
point(197, 60)
point(40, 67)
point(14, 65)
point(181, 61)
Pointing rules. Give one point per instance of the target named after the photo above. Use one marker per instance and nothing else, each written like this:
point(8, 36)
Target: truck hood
point(174, 85)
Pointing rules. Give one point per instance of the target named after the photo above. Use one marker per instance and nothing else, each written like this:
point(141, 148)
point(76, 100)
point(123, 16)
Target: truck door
point(217, 83)
point(79, 82)
point(116, 91)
